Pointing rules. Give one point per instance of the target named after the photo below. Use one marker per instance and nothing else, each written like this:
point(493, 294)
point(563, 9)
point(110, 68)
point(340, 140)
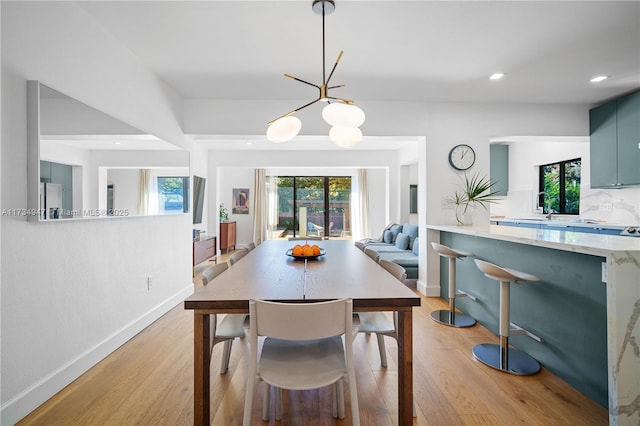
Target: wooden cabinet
point(227, 236)
point(204, 249)
point(615, 143)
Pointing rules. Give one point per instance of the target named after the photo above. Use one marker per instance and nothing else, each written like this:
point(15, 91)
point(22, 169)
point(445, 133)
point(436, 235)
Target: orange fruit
point(297, 250)
point(307, 251)
point(316, 250)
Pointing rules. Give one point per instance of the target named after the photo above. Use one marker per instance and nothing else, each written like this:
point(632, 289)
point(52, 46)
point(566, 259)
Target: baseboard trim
point(426, 290)
point(34, 396)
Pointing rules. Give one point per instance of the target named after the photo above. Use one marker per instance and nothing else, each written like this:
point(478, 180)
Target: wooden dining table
point(269, 273)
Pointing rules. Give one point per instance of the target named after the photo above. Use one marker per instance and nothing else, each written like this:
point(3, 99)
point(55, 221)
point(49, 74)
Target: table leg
point(405, 367)
point(201, 373)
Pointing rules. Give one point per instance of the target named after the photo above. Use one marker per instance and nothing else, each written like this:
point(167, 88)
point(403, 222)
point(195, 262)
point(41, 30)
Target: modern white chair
point(231, 326)
point(373, 255)
point(379, 323)
point(303, 350)
point(308, 237)
point(247, 247)
point(237, 255)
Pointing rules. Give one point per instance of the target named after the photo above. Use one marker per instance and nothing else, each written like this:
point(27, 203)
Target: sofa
point(398, 244)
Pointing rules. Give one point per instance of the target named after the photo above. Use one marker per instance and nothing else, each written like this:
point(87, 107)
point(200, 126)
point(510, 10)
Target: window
point(173, 194)
point(326, 199)
point(560, 187)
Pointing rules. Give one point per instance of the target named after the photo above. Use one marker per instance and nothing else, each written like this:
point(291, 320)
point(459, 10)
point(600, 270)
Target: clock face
point(462, 157)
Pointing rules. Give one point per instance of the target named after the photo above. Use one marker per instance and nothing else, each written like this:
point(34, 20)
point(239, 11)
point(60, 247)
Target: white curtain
point(143, 194)
point(260, 209)
point(272, 206)
point(360, 206)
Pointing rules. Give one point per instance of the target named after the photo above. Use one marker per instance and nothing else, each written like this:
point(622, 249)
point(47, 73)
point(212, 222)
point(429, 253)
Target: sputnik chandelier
point(344, 117)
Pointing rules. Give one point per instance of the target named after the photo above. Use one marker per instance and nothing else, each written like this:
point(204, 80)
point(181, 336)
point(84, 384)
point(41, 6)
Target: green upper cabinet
point(628, 119)
point(615, 143)
point(499, 168)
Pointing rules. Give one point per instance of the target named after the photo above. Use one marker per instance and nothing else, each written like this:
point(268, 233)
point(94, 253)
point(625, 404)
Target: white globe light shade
point(346, 137)
point(284, 129)
point(342, 115)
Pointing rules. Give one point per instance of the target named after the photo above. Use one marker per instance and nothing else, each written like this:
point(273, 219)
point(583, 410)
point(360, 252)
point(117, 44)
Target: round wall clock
point(462, 157)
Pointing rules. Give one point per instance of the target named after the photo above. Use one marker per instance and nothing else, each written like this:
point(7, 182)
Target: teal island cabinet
point(586, 306)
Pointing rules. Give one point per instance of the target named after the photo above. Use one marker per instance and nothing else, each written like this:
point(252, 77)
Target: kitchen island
point(586, 305)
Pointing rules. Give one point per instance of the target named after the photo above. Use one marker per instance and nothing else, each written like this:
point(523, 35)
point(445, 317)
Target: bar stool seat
point(501, 356)
point(450, 317)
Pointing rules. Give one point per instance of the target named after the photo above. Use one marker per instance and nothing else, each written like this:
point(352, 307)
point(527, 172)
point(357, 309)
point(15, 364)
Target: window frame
point(562, 190)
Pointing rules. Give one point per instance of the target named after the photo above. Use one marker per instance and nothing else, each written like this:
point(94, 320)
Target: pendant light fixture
point(344, 117)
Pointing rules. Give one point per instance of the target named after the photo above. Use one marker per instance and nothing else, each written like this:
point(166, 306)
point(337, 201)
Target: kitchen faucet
point(538, 204)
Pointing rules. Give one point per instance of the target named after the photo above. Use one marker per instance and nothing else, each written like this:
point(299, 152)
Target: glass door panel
point(339, 220)
point(309, 192)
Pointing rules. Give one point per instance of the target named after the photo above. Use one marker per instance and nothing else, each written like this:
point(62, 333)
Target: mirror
point(83, 163)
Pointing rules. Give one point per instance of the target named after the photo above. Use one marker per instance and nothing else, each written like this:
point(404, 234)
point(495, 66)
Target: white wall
point(73, 291)
point(229, 170)
point(126, 189)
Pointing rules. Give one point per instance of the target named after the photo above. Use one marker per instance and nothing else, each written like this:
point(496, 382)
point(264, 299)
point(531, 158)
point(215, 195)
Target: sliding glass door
point(319, 205)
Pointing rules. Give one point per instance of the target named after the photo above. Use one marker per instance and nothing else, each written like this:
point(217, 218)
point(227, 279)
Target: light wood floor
point(149, 381)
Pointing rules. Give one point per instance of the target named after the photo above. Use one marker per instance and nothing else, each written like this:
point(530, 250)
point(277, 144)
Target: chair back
point(213, 271)
point(301, 321)
point(309, 237)
point(237, 256)
point(394, 269)
point(372, 254)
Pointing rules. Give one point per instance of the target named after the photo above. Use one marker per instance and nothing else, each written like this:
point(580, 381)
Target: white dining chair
point(250, 246)
point(303, 349)
point(309, 238)
point(379, 323)
point(231, 326)
point(237, 255)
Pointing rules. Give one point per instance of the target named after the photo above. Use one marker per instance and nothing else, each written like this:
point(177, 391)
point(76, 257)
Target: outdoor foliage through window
point(171, 194)
point(327, 200)
point(560, 187)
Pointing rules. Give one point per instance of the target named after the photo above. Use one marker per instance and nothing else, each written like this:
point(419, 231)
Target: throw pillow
point(395, 230)
point(388, 237)
point(402, 241)
point(416, 247)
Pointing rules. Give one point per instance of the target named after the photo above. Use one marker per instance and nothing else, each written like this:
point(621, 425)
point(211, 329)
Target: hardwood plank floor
point(149, 381)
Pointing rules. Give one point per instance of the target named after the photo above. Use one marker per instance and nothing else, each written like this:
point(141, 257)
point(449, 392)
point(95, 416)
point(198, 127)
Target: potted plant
point(224, 214)
point(475, 190)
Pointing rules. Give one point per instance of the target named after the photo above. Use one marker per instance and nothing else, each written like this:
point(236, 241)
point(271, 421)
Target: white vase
point(464, 214)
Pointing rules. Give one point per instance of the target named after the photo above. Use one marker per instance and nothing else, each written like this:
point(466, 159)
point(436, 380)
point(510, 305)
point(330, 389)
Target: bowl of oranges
point(306, 251)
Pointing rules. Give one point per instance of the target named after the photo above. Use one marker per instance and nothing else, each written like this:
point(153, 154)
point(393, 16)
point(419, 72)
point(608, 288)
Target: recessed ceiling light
point(496, 76)
point(599, 78)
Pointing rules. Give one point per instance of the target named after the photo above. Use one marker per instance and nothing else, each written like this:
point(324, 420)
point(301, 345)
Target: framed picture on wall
point(240, 201)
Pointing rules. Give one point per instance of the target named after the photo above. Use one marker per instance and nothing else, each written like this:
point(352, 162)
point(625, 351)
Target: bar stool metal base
point(519, 363)
point(452, 319)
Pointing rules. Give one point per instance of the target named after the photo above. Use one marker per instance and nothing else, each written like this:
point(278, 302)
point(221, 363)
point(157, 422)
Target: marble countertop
point(579, 242)
point(563, 222)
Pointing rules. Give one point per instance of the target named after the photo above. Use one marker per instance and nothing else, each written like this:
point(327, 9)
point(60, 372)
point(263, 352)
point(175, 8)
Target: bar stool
point(502, 357)
point(451, 317)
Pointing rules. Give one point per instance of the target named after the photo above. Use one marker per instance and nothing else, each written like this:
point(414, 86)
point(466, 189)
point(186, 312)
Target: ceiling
point(430, 51)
